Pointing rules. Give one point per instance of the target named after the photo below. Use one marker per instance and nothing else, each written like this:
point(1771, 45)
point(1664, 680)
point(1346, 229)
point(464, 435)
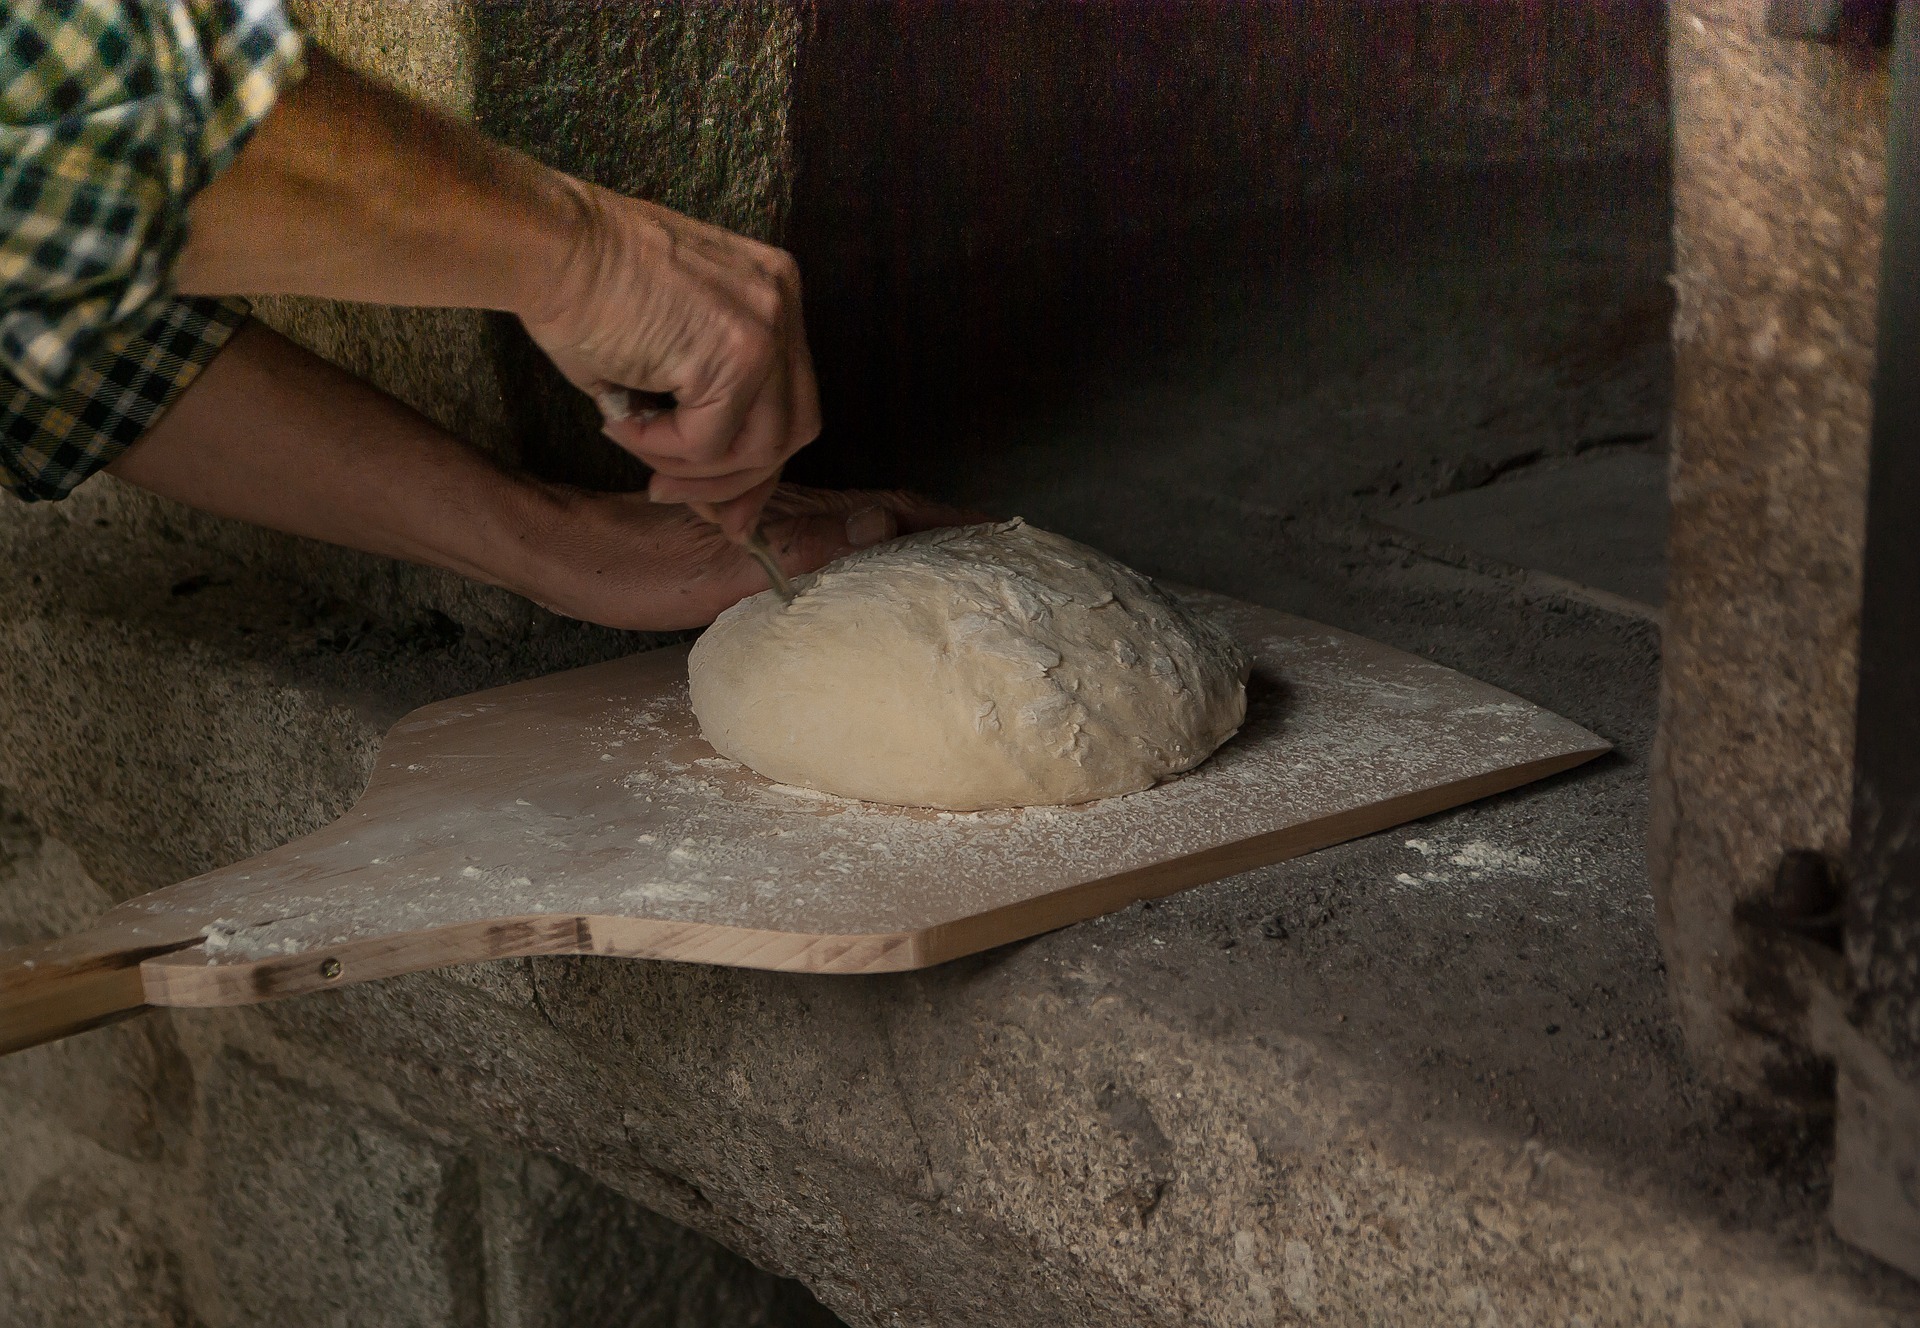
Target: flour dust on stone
point(972, 667)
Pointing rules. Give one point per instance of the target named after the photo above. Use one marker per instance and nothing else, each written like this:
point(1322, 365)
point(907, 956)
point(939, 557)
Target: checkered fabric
point(49, 444)
point(113, 114)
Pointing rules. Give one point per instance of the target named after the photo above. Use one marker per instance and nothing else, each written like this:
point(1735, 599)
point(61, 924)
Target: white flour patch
point(1475, 860)
point(667, 892)
point(1482, 858)
point(236, 940)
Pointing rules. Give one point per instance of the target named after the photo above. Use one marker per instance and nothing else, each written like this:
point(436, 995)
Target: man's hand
point(272, 434)
point(351, 190)
point(623, 561)
point(659, 302)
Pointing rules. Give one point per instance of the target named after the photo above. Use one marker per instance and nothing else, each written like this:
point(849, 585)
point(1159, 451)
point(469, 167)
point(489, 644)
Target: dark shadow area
point(605, 1260)
point(1269, 701)
point(1079, 262)
point(1278, 357)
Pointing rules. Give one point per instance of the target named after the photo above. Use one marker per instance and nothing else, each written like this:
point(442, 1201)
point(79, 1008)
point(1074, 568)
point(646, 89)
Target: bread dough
point(976, 666)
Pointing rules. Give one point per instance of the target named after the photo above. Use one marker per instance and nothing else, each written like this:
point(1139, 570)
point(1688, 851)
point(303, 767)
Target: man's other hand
point(625, 561)
point(273, 434)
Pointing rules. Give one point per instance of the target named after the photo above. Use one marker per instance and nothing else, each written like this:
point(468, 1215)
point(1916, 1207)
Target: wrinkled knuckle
point(806, 421)
point(768, 302)
point(747, 342)
point(785, 269)
point(772, 259)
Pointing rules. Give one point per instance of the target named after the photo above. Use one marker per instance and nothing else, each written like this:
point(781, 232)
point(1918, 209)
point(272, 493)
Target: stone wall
point(1779, 187)
point(160, 1174)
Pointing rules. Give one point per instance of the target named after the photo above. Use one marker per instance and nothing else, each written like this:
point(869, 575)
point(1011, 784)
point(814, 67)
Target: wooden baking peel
point(582, 814)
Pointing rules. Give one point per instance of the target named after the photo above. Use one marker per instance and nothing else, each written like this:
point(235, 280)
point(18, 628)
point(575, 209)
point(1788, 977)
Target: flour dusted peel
point(973, 667)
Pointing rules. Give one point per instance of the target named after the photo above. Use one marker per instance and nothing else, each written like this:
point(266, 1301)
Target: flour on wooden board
point(1326, 729)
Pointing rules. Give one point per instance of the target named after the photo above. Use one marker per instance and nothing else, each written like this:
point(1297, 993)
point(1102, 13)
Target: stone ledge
point(1427, 1075)
point(177, 703)
point(164, 1172)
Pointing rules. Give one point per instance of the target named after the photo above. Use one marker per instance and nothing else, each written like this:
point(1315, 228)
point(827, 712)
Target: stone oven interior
point(1177, 280)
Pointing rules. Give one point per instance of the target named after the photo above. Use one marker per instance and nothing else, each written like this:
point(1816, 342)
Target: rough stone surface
point(1599, 520)
point(578, 1253)
point(163, 1175)
point(1427, 1075)
point(371, 1252)
point(1778, 196)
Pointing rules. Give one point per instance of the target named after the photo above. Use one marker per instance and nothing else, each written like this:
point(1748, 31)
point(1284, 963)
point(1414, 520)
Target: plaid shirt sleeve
point(113, 114)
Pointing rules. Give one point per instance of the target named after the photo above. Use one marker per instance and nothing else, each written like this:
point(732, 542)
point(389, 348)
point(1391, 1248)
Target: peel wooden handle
point(56, 989)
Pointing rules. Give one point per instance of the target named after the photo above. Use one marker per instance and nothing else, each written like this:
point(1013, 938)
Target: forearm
point(274, 435)
point(271, 434)
point(351, 190)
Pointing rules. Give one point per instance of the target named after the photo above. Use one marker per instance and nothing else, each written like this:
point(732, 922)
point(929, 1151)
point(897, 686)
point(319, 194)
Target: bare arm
point(272, 434)
point(351, 190)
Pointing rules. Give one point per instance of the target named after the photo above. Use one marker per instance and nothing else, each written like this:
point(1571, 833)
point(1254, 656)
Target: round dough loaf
point(976, 666)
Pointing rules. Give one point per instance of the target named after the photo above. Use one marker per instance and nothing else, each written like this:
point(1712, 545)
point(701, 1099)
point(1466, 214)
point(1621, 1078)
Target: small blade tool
point(626, 403)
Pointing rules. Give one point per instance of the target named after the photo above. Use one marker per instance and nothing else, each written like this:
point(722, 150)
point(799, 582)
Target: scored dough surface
point(977, 666)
